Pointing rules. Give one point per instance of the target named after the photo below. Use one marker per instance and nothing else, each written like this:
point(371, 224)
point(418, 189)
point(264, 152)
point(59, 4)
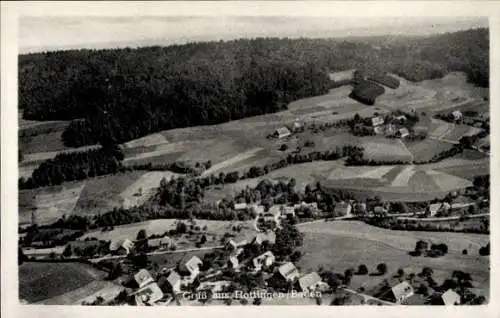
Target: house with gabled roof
point(359, 208)
point(402, 133)
point(234, 258)
point(288, 271)
point(310, 282)
point(377, 121)
point(192, 267)
point(122, 247)
point(240, 206)
point(400, 292)
point(143, 277)
point(174, 281)
point(342, 208)
point(261, 237)
point(148, 295)
point(457, 115)
point(434, 208)
point(450, 298)
point(282, 132)
point(163, 242)
point(264, 260)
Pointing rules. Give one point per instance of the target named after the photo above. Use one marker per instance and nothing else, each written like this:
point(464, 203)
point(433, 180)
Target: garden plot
point(143, 188)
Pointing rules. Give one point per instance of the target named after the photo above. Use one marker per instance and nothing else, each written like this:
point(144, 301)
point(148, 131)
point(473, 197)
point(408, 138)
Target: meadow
point(340, 245)
point(41, 281)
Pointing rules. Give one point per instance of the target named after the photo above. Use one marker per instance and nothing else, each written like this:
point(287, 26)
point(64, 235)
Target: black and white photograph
point(252, 160)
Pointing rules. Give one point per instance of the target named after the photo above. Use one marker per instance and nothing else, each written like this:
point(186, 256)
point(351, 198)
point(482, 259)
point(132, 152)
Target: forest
point(74, 166)
point(116, 95)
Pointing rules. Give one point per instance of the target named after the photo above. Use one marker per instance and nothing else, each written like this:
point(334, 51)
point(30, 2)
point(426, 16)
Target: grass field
point(49, 203)
point(40, 281)
point(147, 141)
point(385, 150)
point(425, 150)
point(457, 132)
point(102, 194)
point(48, 142)
point(160, 226)
point(343, 244)
point(148, 183)
point(88, 197)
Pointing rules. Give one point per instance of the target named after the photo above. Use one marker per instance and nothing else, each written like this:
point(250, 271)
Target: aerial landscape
point(259, 170)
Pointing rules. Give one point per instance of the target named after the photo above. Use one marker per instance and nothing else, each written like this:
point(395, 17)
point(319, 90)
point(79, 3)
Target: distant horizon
point(47, 34)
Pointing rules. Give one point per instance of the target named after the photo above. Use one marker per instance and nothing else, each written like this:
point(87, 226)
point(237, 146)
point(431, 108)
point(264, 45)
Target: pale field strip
point(238, 158)
point(43, 251)
point(403, 177)
point(38, 156)
point(26, 171)
point(148, 182)
point(376, 173)
point(348, 172)
point(473, 131)
point(448, 182)
point(160, 150)
point(455, 162)
point(442, 107)
point(442, 130)
point(147, 141)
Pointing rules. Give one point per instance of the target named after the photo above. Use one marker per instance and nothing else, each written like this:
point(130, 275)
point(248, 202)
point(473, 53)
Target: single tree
point(67, 251)
point(362, 270)
point(382, 268)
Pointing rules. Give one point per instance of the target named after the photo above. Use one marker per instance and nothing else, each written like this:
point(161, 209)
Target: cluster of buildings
point(396, 127)
point(180, 279)
point(126, 246)
point(402, 292)
point(285, 131)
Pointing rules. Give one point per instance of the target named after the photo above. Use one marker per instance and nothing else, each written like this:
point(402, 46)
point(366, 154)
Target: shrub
point(464, 252)
point(401, 272)
point(485, 250)
point(382, 268)
point(362, 270)
point(283, 147)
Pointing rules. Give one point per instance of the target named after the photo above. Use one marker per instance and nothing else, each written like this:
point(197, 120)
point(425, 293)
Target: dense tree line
point(75, 166)
point(366, 92)
point(121, 94)
point(404, 225)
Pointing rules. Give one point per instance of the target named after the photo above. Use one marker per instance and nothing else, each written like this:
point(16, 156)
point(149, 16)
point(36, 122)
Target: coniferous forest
point(117, 95)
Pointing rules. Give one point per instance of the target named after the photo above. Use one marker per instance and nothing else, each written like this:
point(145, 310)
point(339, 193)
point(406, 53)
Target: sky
point(37, 34)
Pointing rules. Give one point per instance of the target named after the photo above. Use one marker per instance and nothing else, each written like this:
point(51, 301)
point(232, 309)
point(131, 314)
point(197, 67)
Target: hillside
point(122, 94)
